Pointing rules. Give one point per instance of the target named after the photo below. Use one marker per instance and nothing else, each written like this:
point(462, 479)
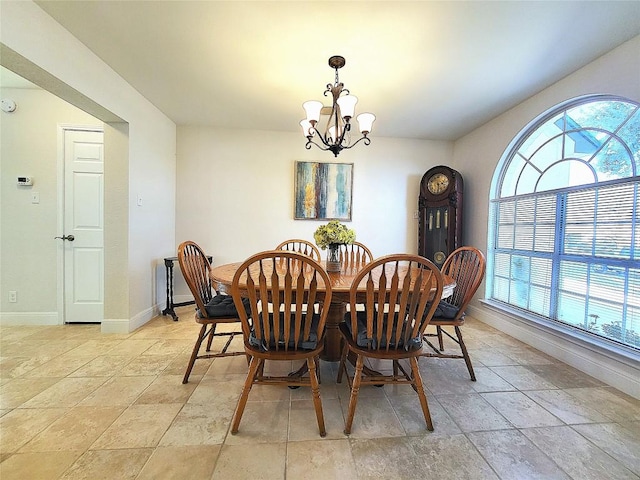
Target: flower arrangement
point(333, 232)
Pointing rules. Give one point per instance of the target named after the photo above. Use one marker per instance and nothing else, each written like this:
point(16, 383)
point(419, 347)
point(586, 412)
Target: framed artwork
point(323, 191)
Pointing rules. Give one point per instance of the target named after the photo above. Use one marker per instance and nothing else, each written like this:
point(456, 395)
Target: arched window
point(564, 232)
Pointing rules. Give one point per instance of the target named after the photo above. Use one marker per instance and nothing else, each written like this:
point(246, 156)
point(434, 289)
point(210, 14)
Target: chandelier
point(337, 134)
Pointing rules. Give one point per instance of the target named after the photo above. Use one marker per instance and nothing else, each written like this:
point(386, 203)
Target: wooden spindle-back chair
point(466, 265)
point(211, 309)
point(289, 295)
point(399, 303)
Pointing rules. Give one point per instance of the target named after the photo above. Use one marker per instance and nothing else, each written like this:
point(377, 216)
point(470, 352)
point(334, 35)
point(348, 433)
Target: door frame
point(60, 208)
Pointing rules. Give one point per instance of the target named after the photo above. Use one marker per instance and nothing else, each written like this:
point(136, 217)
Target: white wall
point(476, 156)
point(28, 146)
point(140, 236)
point(235, 190)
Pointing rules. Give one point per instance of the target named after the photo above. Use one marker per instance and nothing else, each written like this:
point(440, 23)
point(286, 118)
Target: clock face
point(438, 183)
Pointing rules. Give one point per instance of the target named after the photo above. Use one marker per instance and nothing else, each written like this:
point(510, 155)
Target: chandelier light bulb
point(333, 135)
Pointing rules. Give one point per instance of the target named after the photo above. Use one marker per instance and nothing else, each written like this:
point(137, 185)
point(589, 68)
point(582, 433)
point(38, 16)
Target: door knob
point(71, 238)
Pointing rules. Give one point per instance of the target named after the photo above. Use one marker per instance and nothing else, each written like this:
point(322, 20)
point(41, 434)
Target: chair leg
point(342, 367)
point(419, 387)
point(353, 399)
point(440, 342)
point(211, 335)
point(317, 362)
point(465, 354)
point(255, 365)
point(194, 354)
point(315, 391)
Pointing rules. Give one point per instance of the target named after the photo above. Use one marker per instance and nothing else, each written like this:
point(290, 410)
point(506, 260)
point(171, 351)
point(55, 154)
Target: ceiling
point(428, 70)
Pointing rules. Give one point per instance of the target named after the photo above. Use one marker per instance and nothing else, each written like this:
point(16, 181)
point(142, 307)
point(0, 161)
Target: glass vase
point(333, 258)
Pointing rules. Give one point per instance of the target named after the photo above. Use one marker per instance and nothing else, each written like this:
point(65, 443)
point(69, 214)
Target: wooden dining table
point(222, 277)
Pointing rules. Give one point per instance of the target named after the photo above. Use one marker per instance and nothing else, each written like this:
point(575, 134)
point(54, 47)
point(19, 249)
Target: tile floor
point(76, 404)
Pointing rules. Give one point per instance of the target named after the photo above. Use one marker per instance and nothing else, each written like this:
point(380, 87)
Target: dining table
point(222, 277)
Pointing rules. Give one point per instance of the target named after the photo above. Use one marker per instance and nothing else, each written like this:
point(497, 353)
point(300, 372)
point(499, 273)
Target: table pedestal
point(332, 336)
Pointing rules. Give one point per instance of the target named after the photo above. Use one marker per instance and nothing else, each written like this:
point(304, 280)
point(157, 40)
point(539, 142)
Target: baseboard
point(618, 371)
point(108, 325)
point(143, 317)
point(28, 318)
point(115, 325)
point(124, 325)
point(182, 298)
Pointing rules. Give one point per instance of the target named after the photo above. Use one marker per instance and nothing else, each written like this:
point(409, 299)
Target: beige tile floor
point(77, 404)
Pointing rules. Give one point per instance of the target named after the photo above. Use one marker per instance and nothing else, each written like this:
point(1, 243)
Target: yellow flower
point(333, 232)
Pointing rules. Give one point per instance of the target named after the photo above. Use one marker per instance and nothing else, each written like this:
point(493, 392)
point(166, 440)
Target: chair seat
point(309, 344)
point(284, 355)
point(223, 306)
point(393, 354)
point(363, 339)
point(447, 321)
point(446, 310)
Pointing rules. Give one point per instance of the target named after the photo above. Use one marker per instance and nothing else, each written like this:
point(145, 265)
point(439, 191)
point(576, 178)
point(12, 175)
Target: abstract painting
point(323, 191)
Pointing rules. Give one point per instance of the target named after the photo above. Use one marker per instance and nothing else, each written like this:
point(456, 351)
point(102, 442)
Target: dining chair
point(300, 246)
point(211, 310)
point(466, 265)
point(289, 295)
point(355, 255)
point(399, 306)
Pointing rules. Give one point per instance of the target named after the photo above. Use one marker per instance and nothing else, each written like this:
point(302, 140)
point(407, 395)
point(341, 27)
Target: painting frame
point(323, 191)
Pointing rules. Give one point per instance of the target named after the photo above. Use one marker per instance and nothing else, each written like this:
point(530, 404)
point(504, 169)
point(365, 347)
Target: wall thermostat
point(27, 181)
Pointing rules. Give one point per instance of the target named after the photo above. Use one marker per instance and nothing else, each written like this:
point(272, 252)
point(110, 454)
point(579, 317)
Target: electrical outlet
point(13, 296)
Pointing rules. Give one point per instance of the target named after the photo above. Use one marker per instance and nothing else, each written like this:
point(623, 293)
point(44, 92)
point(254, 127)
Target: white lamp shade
point(347, 104)
point(333, 135)
point(312, 107)
point(365, 120)
point(307, 128)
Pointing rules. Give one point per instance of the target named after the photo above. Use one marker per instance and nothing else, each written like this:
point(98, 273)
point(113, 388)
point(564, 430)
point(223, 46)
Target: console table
point(168, 265)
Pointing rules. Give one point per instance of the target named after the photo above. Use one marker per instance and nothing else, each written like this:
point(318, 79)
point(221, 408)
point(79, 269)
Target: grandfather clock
point(440, 213)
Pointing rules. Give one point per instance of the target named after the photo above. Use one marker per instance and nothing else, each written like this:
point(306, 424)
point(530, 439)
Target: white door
point(83, 220)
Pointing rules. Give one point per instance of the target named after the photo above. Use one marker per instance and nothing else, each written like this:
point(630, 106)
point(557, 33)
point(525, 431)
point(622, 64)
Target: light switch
point(35, 197)
point(139, 200)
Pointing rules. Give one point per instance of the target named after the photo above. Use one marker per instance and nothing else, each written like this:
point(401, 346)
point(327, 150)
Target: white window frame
point(557, 253)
